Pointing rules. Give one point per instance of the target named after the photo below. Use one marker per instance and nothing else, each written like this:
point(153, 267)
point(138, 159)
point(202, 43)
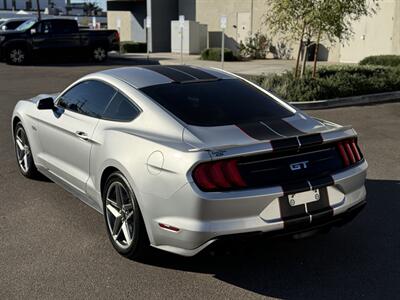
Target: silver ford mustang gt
point(178, 157)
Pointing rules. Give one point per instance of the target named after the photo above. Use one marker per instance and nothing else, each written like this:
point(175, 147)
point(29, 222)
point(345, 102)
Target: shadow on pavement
point(361, 259)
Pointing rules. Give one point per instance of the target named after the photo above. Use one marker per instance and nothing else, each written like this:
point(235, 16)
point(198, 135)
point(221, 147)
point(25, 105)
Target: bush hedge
point(382, 60)
point(215, 54)
point(133, 47)
point(332, 82)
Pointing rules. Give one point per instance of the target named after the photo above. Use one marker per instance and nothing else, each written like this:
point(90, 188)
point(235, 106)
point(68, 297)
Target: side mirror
point(45, 103)
point(4, 27)
point(33, 31)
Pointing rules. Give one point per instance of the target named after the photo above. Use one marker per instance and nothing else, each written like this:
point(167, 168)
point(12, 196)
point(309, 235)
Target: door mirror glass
point(33, 31)
point(46, 103)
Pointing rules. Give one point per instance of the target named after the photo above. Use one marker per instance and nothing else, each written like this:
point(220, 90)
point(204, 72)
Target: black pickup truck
point(55, 38)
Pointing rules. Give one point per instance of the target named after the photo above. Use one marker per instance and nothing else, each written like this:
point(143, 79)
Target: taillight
point(218, 175)
point(349, 152)
point(117, 36)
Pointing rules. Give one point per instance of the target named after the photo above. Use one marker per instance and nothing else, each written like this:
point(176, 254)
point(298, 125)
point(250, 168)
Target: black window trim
point(116, 90)
point(139, 110)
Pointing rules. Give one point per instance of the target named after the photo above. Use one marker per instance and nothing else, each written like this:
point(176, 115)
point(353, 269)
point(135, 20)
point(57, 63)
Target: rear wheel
point(99, 54)
point(17, 55)
point(24, 154)
point(124, 222)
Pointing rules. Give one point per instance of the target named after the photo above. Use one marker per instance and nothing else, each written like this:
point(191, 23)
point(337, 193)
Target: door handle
point(82, 135)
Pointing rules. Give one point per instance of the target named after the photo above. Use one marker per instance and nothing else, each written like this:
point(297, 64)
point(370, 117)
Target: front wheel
point(17, 55)
point(125, 226)
point(24, 154)
point(99, 54)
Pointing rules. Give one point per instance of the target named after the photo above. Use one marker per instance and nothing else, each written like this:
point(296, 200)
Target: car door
point(42, 41)
point(66, 37)
point(66, 134)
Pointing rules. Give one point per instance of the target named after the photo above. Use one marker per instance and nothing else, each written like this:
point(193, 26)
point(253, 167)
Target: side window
point(121, 109)
point(89, 98)
point(44, 27)
point(63, 26)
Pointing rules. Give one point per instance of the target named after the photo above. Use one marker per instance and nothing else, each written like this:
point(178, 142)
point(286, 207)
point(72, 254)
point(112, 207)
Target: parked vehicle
point(11, 24)
point(55, 38)
point(178, 157)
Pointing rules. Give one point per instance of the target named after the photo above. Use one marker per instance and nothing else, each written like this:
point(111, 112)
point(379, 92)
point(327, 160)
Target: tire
point(17, 55)
point(99, 54)
point(23, 152)
point(124, 221)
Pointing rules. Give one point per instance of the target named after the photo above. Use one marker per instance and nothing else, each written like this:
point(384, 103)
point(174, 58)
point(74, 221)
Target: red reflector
point(202, 178)
point(343, 154)
point(355, 151)
point(349, 152)
point(217, 175)
point(168, 227)
point(233, 173)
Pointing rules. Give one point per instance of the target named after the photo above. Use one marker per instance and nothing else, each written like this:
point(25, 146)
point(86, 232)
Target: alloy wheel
point(120, 212)
point(23, 150)
point(17, 56)
point(99, 54)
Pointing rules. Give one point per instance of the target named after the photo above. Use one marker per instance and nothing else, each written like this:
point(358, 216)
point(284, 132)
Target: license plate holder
point(304, 197)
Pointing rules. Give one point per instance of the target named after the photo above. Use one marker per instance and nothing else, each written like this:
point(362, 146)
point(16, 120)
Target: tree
point(91, 8)
point(290, 18)
point(333, 19)
point(308, 19)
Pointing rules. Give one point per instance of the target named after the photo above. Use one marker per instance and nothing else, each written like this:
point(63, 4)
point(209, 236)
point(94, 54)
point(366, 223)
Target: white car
point(178, 157)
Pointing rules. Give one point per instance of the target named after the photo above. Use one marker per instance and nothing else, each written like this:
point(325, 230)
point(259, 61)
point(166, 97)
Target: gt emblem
point(299, 165)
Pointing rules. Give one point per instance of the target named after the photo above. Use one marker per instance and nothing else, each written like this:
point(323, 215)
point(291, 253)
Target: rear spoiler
point(324, 137)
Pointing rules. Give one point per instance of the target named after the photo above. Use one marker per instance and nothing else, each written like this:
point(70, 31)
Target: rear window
point(216, 103)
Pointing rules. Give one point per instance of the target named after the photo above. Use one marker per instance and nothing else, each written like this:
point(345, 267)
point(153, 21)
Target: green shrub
point(256, 46)
point(382, 60)
point(332, 82)
point(133, 47)
point(215, 54)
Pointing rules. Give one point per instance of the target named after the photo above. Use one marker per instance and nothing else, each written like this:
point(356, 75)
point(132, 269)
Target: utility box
point(194, 37)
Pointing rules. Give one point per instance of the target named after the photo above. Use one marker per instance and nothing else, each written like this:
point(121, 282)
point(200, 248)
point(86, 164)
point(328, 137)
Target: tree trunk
point(38, 10)
point(304, 62)
point(296, 72)
point(314, 74)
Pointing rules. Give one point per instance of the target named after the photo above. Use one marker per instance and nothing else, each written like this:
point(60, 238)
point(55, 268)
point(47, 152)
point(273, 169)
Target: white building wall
point(374, 35)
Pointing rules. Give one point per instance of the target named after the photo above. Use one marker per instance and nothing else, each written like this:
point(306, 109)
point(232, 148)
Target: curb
point(349, 101)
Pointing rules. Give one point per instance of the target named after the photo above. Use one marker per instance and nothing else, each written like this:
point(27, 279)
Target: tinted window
point(216, 103)
point(121, 109)
point(64, 26)
point(43, 27)
point(89, 97)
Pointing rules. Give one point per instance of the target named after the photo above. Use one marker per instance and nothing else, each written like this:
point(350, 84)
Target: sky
point(101, 3)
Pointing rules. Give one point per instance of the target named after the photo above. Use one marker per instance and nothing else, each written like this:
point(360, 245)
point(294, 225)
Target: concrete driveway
point(52, 246)
point(252, 67)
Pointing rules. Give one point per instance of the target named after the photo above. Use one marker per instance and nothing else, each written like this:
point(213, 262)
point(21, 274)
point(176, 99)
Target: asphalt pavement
point(54, 246)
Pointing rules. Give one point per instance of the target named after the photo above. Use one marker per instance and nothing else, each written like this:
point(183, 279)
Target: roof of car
point(14, 19)
point(143, 76)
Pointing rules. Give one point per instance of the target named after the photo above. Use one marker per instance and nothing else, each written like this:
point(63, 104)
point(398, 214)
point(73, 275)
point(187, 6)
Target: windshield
point(216, 103)
point(26, 25)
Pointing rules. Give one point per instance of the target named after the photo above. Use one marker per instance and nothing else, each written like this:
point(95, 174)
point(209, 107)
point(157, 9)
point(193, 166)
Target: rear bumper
point(336, 221)
point(203, 218)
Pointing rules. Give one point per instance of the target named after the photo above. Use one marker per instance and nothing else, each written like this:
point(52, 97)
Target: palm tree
point(91, 8)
